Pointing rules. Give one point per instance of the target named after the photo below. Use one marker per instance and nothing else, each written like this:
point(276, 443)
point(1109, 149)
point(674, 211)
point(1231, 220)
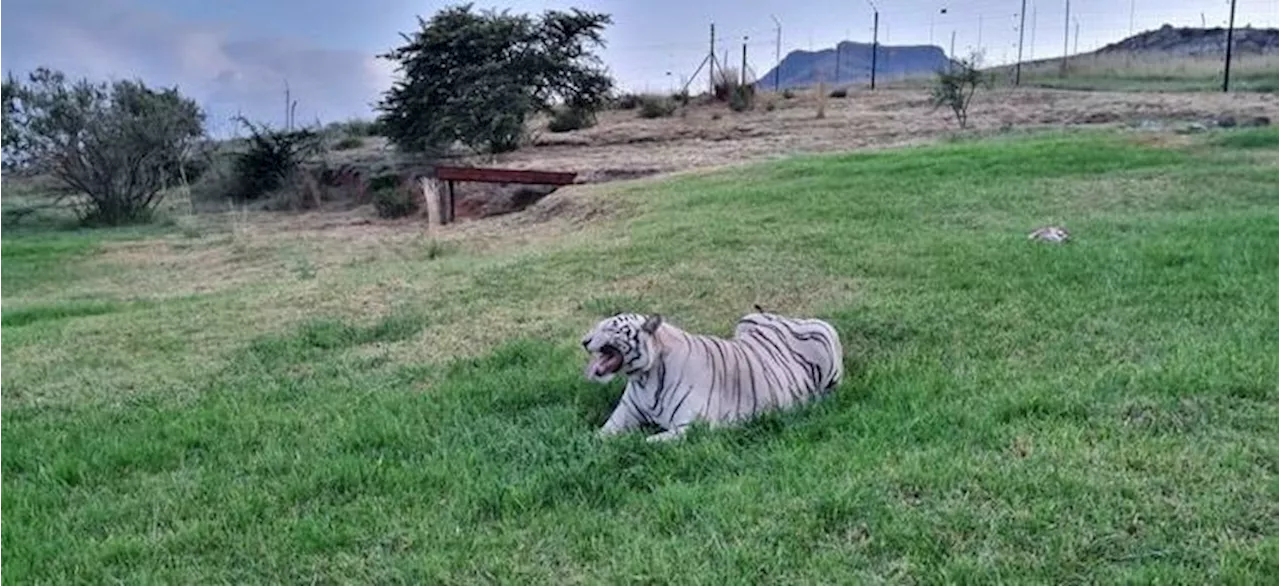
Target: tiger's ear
point(651, 324)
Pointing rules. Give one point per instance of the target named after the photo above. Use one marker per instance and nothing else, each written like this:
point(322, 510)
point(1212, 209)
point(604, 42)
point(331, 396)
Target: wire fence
point(1051, 43)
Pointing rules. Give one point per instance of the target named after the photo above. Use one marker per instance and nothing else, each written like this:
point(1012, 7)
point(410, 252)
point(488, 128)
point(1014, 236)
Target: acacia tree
point(119, 144)
point(475, 78)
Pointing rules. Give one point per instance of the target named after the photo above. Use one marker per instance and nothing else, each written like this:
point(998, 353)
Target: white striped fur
point(675, 377)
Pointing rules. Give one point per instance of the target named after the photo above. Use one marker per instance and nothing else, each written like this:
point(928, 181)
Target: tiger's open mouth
point(605, 362)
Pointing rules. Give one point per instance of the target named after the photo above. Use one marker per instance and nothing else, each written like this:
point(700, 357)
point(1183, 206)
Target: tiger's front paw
point(666, 435)
point(606, 432)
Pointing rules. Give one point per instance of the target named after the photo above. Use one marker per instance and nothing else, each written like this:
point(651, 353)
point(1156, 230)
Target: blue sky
point(236, 55)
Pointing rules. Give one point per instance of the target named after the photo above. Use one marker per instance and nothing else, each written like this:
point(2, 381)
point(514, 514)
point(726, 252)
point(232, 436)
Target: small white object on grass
point(1055, 234)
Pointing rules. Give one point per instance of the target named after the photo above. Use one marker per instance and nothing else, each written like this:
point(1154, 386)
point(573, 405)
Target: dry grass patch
point(710, 136)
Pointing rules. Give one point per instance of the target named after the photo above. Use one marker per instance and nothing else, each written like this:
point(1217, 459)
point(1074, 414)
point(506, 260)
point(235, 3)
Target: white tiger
point(675, 378)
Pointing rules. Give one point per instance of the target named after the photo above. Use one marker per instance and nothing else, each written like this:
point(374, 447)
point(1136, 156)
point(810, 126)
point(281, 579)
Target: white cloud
point(111, 39)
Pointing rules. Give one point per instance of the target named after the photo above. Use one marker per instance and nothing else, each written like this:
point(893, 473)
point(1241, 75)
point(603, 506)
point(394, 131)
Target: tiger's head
point(623, 343)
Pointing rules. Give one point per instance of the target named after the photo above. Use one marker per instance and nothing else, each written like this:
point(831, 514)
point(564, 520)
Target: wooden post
point(450, 206)
point(432, 199)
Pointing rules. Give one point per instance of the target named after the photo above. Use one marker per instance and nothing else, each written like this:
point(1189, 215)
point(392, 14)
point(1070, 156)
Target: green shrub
point(359, 128)
point(628, 101)
point(787, 94)
point(348, 143)
point(742, 98)
point(656, 107)
point(395, 203)
point(384, 181)
point(839, 93)
point(567, 119)
point(725, 80)
point(272, 157)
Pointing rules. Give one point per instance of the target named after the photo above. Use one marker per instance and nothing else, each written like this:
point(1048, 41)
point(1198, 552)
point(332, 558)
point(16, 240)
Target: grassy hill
point(1166, 59)
point(268, 402)
point(1121, 72)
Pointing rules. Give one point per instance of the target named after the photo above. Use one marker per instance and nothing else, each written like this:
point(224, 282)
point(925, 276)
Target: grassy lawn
point(240, 403)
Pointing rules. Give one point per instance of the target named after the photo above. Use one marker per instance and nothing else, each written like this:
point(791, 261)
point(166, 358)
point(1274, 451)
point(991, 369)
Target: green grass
point(46, 259)
point(39, 313)
point(1099, 412)
point(1143, 73)
point(1253, 138)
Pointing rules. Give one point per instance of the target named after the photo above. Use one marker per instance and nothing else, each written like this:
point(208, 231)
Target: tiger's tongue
point(605, 363)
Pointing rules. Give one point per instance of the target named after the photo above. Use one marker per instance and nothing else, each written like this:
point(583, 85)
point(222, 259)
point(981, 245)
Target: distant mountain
point(1197, 41)
point(803, 68)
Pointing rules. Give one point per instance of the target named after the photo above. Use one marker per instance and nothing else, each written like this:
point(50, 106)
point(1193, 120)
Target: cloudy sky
point(237, 55)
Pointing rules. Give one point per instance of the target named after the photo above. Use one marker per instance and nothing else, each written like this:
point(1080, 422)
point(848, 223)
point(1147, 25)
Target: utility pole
point(1231, 29)
point(953, 47)
point(1066, 36)
point(711, 73)
point(837, 62)
point(1076, 47)
point(1034, 20)
point(777, 52)
point(979, 46)
point(875, 46)
point(875, 40)
point(709, 59)
point(744, 60)
point(1017, 69)
point(1128, 55)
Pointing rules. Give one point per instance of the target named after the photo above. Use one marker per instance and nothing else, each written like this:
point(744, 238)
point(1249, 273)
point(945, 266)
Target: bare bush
point(956, 86)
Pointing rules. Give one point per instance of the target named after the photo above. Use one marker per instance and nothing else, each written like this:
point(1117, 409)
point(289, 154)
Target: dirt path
point(623, 145)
